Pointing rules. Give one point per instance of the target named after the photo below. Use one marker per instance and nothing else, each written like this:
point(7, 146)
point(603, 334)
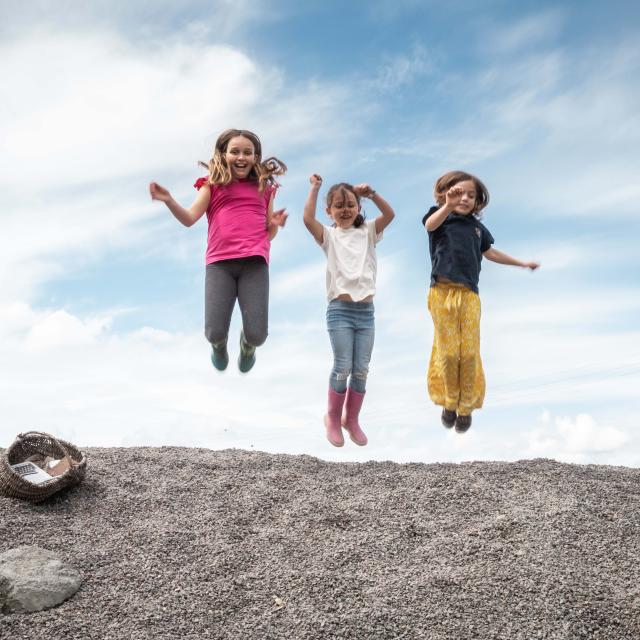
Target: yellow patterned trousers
point(455, 379)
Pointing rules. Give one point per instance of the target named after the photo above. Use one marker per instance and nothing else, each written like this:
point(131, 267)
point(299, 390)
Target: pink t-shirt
point(237, 217)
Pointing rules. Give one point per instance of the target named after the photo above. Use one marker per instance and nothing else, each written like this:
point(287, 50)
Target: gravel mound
point(196, 544)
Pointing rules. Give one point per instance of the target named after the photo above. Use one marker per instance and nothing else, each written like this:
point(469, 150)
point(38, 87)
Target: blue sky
point(101, 290)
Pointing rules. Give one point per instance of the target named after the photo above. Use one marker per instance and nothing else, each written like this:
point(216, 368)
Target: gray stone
point(33, 579)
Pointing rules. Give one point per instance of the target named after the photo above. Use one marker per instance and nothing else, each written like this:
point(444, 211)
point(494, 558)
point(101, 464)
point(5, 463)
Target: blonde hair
point(262, 172)
point(451, 178)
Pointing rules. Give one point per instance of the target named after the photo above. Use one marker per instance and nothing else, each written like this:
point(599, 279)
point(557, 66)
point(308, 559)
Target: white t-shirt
point(351, 260)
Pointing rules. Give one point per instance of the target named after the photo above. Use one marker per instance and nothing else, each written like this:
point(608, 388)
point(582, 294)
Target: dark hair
point(341, 187)
point(451, 178)
point(262, 172)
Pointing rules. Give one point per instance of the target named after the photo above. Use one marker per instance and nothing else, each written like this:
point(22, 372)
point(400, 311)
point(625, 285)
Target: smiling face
point(467, 202)
point(470, 195)
point(343, 208)
point(240, 157)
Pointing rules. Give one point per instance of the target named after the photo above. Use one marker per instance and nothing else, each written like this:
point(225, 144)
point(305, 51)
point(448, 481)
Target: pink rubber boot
point(350, 418)
point(332, 419)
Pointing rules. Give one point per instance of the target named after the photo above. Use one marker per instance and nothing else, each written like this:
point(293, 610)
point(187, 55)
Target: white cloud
point(60, 328)
point(152, 387)
point(112, 109)
point(579, 138)
point(578, 439)
point(142, 20)
point(89, 118)
point(542, 132)
point(558, 310)
point(401, 70)
point(15, 317)
point(530, 30)
point(153, 336)
point(304, 281)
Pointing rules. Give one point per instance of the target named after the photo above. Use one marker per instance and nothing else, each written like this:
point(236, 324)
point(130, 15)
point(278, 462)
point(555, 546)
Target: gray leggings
point(246, 279)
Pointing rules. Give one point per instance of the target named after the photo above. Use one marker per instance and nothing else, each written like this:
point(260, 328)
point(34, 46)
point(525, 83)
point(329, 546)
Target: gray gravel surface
point(192, 543)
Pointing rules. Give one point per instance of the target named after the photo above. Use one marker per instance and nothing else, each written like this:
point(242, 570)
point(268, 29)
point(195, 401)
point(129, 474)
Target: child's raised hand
point(279, 217)
point(159, 193)
point(453, 196)
point(363, 190)
point(315, 180)
point(532, 265)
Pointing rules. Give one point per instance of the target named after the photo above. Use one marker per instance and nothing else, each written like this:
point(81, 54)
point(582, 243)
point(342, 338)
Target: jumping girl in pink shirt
point(237, 197)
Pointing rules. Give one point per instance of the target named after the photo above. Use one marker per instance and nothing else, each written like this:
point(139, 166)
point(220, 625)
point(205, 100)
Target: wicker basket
point(34, 442)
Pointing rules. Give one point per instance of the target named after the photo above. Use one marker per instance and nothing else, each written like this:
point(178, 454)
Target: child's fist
point(159, 193)
point(363, 190)
point(279, 217)
point(454, 195)
point(315, 180)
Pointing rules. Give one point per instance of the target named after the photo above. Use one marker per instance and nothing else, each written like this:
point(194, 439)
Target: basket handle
point(62, 448)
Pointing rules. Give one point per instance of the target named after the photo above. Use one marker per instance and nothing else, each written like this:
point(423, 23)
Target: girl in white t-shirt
point(351, 284)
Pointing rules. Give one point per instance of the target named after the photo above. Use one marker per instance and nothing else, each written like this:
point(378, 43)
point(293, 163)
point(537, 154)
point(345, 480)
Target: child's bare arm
point(189, 216)
point(502, 258)
point(452, 199)
point(314, 227)
point(387, 213)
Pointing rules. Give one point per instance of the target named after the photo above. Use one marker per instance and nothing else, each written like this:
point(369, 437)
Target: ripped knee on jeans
point(342, 375)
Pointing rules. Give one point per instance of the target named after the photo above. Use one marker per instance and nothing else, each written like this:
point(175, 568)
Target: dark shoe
point(463, 423)
point(219, 356)
point(247, 357)
point(448, 418)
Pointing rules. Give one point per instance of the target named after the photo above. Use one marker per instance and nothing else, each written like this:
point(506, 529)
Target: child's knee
point(361, 373)
point(341, 373)
point(447, 366)
point(469, 349)
point(255, 338)
point(215, 336)
point(468, 361)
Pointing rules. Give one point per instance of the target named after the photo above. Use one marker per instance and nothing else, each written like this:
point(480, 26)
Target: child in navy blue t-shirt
point(457, 243)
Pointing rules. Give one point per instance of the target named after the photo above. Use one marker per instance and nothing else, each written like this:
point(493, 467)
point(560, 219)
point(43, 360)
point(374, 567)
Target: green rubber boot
point(247, 357)
point(219, 355)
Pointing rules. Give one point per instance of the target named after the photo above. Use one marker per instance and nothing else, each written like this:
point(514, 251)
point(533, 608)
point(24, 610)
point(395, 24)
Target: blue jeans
point(351, 331)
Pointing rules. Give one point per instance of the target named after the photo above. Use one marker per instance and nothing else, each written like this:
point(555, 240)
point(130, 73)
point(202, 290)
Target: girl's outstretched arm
point(387, 213)
point(502, 258)
point(275, 219)
point(315, 228)
point(188, 216)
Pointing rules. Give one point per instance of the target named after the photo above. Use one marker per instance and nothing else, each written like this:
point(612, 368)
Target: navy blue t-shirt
point(456, 248)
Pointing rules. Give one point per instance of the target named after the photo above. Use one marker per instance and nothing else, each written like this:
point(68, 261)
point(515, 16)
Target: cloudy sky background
point(101, 290)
